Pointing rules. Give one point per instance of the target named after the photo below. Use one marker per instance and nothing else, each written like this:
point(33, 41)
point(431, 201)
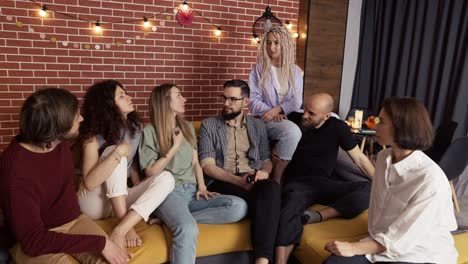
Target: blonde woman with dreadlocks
point(276, 91)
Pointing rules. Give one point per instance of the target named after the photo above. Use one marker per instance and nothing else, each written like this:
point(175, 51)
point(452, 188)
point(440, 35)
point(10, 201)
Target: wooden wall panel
point(326, 29)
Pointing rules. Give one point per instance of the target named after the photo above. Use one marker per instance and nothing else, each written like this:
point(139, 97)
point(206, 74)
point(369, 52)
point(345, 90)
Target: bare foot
point(133, 239)
point(155, 221)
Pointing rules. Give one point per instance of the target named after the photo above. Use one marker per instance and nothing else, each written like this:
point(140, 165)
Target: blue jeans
point(181, 212)
point(286, 134)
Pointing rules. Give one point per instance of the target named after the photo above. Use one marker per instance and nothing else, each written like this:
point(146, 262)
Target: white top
point(411, 210)
point(283, 89)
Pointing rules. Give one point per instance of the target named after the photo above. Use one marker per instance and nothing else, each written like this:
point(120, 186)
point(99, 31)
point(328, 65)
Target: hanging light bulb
point(185, 6)
point(295, 35)
point(43, 11)
point(97, 27)
point(218, 32)
point(146, 22)
point(288, 24)
point(255, 38)
point(267, 25)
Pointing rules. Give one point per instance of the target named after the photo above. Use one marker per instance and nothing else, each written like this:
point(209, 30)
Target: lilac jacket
point(263, 99)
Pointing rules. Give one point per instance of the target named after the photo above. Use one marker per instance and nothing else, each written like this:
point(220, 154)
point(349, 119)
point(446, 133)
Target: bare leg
point(261, 261)
point(124, 233)
point(278, 168)
point(328, 213)
point(283, 253)
point(129, 238)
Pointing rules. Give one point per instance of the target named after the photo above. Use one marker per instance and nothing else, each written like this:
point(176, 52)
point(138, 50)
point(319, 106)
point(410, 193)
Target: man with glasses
point(234, 151)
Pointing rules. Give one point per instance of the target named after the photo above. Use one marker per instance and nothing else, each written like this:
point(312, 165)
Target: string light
point(288, 24)
point(43, 11)
point(185, 6)
point(97, 27)
point(303, 35)
point(255, 38)
point(218, 32)
point(295, 35)
point(146, 22)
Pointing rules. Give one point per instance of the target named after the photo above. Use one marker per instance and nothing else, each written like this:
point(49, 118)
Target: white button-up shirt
point(411, 211)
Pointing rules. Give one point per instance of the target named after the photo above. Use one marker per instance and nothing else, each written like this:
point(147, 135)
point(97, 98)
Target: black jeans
point(264, 209)
point(348, 198)
point(355, 260)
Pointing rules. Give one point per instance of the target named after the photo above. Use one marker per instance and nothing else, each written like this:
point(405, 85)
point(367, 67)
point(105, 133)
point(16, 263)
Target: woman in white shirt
point(411, 211)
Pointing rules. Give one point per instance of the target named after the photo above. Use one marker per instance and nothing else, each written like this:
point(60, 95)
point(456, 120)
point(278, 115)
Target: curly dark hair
point(103, 117)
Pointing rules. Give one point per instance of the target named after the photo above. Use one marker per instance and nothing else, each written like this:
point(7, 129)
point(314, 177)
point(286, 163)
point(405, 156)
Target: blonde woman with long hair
point(169, 144)
point(276, 91)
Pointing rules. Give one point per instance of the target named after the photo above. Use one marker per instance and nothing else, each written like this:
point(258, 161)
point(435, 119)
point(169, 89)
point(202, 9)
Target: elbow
point(89, 186)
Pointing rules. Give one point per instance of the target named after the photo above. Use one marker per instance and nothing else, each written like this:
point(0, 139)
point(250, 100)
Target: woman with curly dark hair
point(110, 137)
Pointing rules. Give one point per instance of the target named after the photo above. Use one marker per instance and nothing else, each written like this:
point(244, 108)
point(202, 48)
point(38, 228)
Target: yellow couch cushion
point(461, 243)
point(218, 239)
point(311, 247)
point(154, 248)
point(315, 236)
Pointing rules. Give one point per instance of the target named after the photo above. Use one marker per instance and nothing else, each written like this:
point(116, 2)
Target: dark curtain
point(418, 49)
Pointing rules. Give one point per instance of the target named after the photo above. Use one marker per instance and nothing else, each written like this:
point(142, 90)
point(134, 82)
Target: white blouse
point(411, 210)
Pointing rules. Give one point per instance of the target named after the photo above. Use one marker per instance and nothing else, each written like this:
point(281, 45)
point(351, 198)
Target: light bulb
point(288, 24)
point(295, 35)
point(185, 6)
point(218, 32)
point(97, 27)
point(303, 35)
point(267, 25)
point(146, 22)
point(43, 11)
point(256, 39)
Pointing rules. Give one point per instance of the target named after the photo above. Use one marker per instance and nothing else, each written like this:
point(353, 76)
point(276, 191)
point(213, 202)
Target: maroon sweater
point(36, 194)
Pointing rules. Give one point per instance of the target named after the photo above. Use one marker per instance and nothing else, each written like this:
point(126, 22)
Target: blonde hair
point(161, 117)
point(287, 69)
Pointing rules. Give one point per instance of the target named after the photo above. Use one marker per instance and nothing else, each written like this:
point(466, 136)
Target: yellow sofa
point(227, 238)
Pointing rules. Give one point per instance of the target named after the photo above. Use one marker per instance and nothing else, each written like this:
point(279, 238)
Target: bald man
point(308, 179)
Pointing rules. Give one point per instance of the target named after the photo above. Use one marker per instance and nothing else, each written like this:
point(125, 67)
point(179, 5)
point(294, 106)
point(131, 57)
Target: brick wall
point(62, 52)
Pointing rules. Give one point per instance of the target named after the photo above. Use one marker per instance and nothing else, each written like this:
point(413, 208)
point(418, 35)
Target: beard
point(232, 115)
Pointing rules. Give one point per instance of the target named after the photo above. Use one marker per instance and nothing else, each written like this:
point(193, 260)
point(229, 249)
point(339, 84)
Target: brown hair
point(161, 115)
point(46, 115)
point(413, 128)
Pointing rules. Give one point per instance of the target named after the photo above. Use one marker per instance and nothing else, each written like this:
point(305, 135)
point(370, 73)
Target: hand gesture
point(344, 249)
point(271, 114)
point(114, 254)
point(260, 175)
point(241, 181)
point(178, 137)
point(202, 191)
point(123, 149)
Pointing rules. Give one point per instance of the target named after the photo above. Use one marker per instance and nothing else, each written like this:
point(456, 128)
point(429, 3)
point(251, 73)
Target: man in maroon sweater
point(36, 187)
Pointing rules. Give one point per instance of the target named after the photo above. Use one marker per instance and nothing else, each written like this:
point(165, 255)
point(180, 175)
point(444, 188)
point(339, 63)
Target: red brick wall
point(192, 57)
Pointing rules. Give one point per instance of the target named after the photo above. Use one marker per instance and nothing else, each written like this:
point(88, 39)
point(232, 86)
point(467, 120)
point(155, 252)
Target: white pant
point(143, 198)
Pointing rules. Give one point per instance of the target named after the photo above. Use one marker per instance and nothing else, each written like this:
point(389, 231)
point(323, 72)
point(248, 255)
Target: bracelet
point(118, 157)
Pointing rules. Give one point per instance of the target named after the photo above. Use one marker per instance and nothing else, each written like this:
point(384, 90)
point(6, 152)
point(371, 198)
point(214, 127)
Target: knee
point(269, 186)
point(295, 133)
point(238, 209)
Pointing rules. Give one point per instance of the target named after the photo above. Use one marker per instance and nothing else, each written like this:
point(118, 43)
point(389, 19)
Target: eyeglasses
point(229, 99)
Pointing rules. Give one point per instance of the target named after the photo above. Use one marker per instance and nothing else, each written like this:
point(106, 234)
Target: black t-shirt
point(317, 151)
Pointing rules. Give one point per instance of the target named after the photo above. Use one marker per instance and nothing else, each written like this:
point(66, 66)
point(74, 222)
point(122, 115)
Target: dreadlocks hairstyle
point(103, 117)
point(287, 70)
point(161, 117)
